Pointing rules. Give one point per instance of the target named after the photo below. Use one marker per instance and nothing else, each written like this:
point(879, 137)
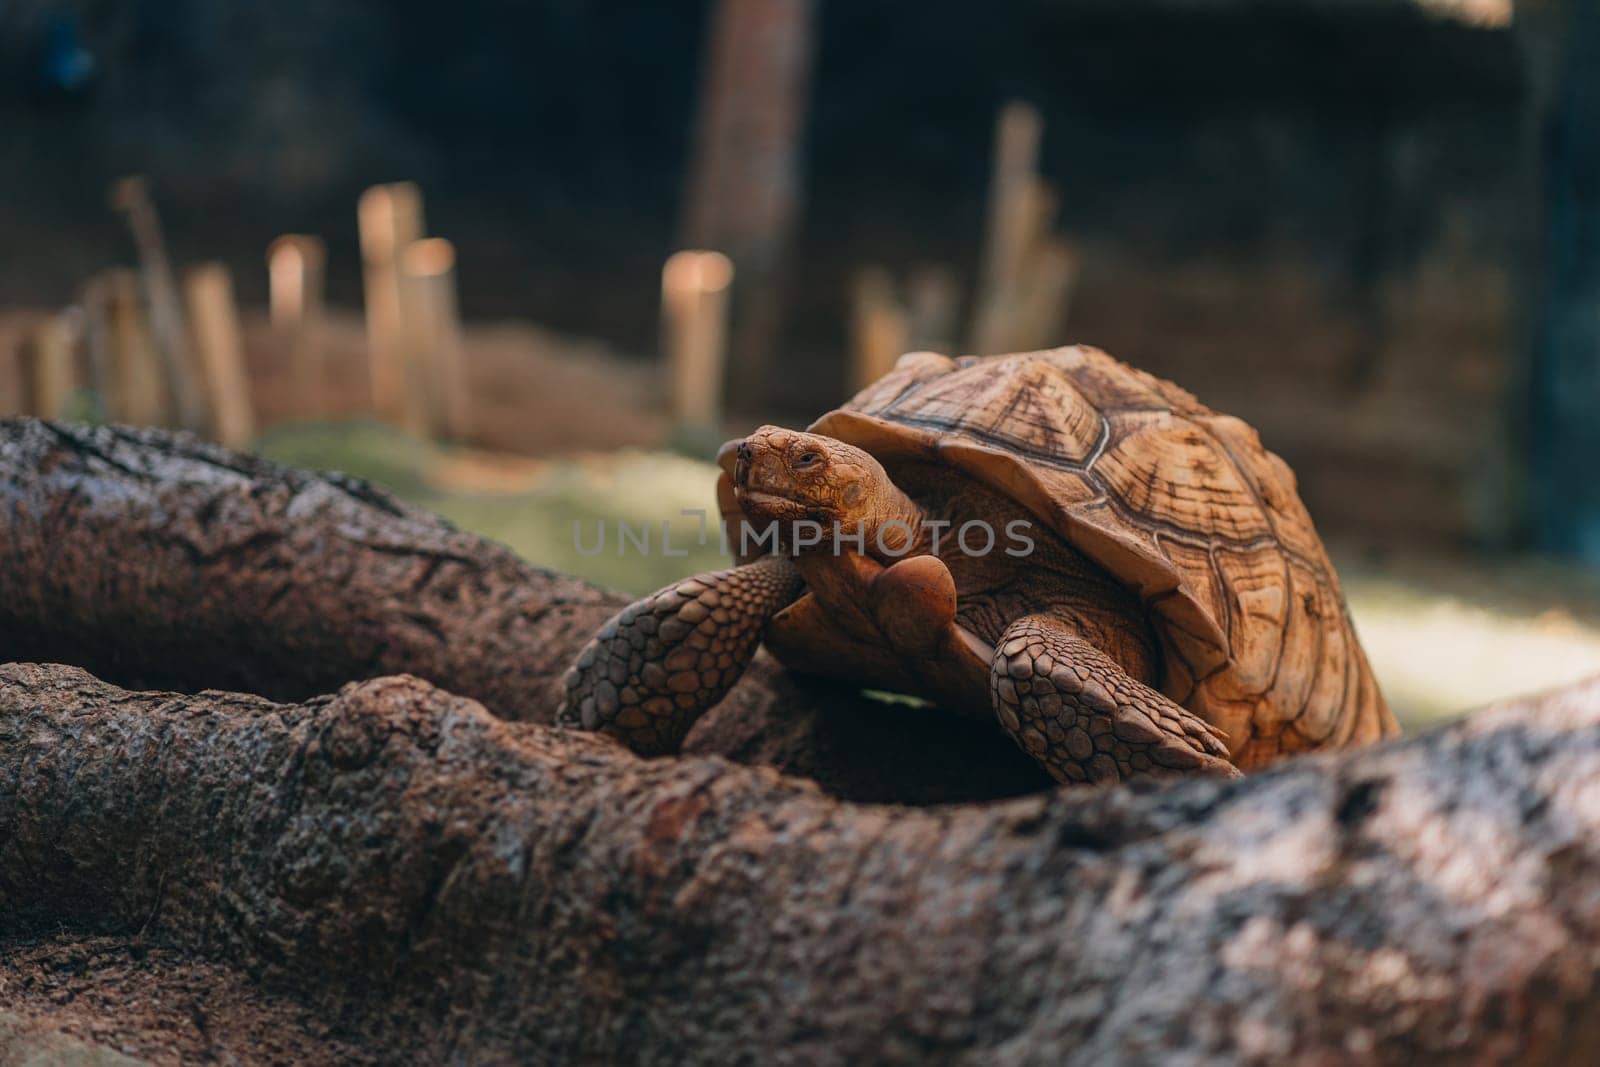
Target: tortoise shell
point(1179, 503)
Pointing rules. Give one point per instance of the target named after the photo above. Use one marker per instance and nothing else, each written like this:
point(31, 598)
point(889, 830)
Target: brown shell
point(1180, 503)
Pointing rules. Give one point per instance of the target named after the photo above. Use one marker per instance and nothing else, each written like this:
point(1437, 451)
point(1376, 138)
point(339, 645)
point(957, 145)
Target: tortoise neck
point(894, 523)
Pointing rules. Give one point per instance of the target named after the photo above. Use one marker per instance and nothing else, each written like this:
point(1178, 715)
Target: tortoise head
point(787, 476)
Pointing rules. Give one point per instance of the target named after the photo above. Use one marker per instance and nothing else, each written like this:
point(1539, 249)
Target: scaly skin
point(1069, 706)
point(661, 661)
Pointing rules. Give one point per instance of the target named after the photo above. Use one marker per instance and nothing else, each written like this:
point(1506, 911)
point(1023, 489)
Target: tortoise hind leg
point(1072, 708)
point(659, 663)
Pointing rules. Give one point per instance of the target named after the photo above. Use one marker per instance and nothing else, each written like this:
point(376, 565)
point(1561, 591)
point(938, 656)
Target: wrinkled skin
point(785, 476)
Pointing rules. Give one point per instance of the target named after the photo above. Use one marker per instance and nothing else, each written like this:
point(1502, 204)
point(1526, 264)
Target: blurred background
point(527, 263)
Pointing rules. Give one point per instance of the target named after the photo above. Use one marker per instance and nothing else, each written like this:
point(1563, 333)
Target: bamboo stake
point(694, 317)
point(49, 368)
point(137, 392)
point(390, 219)
point(1012, 222)
point(295, 272)
point(208, 289)
point(132, 198)
point(879, 326)
point(438, 398)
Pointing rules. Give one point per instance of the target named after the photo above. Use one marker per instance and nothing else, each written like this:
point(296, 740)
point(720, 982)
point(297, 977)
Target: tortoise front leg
point(656, 665)
point(1072, 708)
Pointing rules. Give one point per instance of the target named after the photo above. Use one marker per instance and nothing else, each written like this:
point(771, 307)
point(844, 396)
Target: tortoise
point(1123, 579)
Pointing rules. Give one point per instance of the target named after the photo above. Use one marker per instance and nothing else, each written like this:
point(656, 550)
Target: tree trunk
point(395, 871)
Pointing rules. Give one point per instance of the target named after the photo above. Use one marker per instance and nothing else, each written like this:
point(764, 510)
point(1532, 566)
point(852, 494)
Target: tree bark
point(159, 561)
point(421, 879)
point(446, 884)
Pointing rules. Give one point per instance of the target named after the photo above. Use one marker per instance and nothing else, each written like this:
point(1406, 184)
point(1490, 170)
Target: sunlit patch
point(1484, 14)
point(1437, 654)
point(900, 699)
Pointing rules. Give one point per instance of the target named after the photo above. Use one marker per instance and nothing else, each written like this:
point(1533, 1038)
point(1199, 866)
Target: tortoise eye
point(807, 459)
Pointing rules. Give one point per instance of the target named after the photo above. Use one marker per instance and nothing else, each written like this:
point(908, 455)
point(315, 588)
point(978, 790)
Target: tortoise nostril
point(741, 465)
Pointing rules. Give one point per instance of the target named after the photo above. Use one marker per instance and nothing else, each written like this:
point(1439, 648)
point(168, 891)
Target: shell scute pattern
point(1178, 502)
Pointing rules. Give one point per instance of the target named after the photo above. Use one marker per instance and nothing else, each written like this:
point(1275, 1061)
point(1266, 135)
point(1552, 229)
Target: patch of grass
point(553, 513)
point(366, 449)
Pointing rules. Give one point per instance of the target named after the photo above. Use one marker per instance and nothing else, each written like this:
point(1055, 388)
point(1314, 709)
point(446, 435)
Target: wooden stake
point(209, 291)
point(95, 300)
point(694, 320)
point(390, 219)
point(132, 198)
point(879, 326)
point(295, 271)
point(1012, 225)
point(1017, 316)
point(745, 176)
point(137, 390)
point(438, 394)
point(1041, 313)
point(933, 297)
point(49, 367)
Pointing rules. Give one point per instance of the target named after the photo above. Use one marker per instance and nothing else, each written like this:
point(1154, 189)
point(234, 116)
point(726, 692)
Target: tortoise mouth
point(767, 506)
point(766, 500)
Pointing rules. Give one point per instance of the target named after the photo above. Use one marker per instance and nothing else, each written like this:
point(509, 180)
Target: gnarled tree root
point(156, 560)
point(444, 883)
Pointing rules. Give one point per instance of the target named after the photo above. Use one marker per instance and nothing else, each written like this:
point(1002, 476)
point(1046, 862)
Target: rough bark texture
point(395, 872)
point(159, 561)
point(449, 884)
